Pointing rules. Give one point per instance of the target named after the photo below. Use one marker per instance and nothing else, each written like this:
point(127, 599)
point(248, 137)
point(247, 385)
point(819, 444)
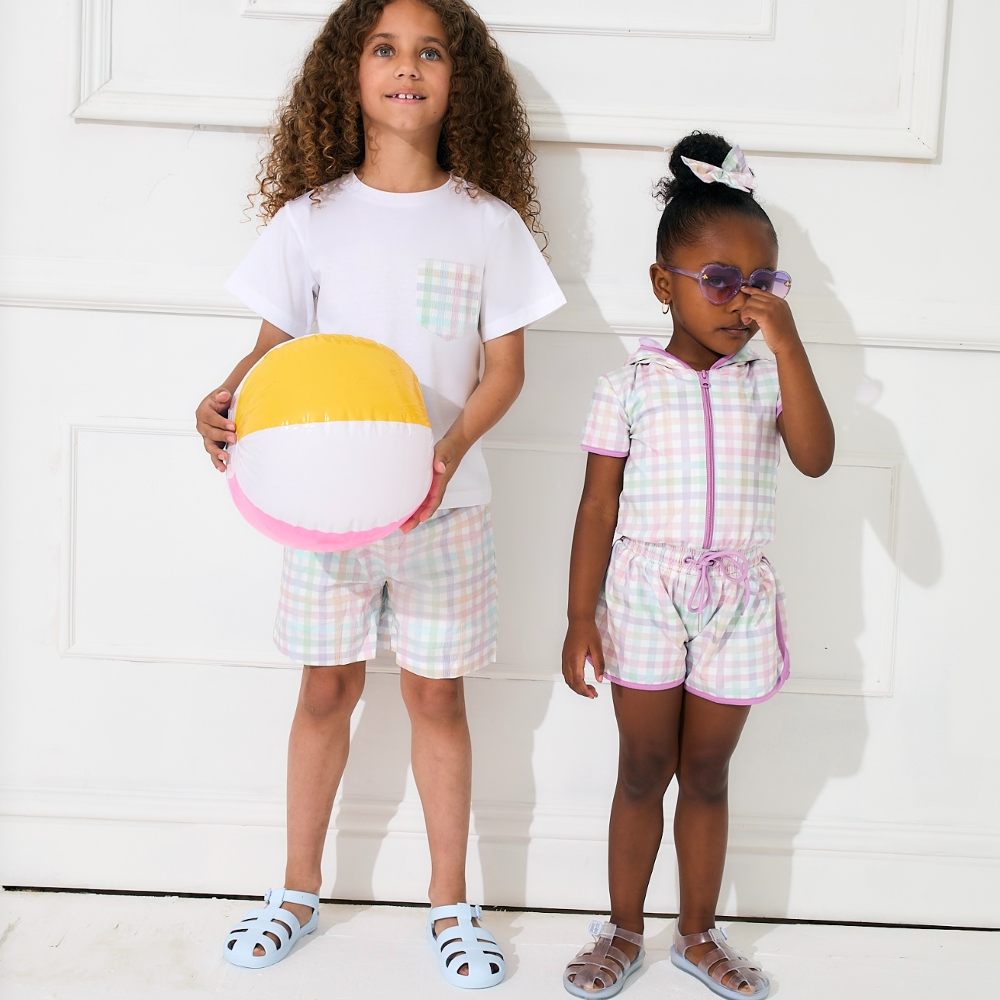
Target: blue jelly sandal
point(715, 965)
point(600, 970)
point(466, 945)
point(271, 928)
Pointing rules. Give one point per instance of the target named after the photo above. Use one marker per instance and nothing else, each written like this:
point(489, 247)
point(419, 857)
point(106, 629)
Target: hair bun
point(703, 146)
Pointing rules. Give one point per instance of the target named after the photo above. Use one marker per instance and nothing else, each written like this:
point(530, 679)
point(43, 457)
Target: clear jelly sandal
point(748, 982)
point(601, 969)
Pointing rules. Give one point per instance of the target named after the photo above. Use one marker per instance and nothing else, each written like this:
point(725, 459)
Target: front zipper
point(706, 403)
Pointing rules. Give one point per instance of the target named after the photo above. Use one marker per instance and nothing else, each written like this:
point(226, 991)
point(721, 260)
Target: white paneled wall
point(144, 710)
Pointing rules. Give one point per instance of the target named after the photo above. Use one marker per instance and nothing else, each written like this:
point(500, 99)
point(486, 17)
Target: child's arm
point(503, 376)
point(804, 423)
point(592, 540)
point(210, 417)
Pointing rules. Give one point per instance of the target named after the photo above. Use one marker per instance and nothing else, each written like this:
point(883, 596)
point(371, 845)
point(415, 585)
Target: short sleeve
point(607, 430)
point(275, 279)
point(518, 287)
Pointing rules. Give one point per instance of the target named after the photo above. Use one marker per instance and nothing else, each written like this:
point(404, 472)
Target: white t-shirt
point(432, 275)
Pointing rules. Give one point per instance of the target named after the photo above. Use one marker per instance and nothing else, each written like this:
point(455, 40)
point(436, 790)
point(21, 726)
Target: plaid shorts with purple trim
point(429, 595)
point(732, 650)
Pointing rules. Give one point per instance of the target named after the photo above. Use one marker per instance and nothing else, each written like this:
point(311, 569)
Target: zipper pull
point(704, 379)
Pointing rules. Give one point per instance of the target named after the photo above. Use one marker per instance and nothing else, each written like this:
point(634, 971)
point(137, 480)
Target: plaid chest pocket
point(448, 298)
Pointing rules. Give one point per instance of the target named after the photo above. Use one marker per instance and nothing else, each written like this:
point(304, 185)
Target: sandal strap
point(592, 977)
point(714, 957)
point(605, 928)
point(684, 941)
point(278, 896)
point(596, 955)
point(749, 976)
point(460, 911)
point(588, 974)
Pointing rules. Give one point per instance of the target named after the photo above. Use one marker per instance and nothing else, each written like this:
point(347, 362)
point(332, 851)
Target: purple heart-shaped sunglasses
point(720, 283)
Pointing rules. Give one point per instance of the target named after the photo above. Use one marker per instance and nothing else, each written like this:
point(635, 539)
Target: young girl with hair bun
point(670, 594)
point(401, 206)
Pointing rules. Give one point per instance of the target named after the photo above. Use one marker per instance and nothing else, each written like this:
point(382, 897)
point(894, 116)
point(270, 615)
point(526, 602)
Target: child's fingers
point(421, 514)
point(576, 683)
point(431, 502)
point(409, 524)
point(220, 458)
point(573, 675)
point(214, 428)
point(215, 435)
point(208, 417)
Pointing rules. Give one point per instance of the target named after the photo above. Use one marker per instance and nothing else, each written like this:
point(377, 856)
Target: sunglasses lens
point(782, 284)
point(720, 283)
point(762, 279)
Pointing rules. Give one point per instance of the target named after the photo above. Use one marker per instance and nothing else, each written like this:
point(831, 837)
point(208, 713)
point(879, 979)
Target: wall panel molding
point(912, 132)
point(602, 19)
point(95, 45)
point(593, 307)
point(41, 829)
point(499, 821)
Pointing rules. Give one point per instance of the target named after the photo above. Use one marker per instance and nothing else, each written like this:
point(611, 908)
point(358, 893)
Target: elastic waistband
point(733, 564)
point(688, 556)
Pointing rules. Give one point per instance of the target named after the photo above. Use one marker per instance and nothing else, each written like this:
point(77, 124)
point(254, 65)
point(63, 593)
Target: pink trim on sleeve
point(604, 451)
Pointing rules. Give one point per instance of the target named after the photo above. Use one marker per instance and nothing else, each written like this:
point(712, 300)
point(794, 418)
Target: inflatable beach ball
point(333, 445)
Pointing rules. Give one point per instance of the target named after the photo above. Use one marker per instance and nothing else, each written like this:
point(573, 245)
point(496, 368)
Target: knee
point(704, 776)
point(644, 771)
point(435, 701)
point(331, 691)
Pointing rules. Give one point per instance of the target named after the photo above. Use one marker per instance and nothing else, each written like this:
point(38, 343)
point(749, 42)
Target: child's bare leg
point(317, 754)
point(709, 734)
point(441, 756)
point(648, 734)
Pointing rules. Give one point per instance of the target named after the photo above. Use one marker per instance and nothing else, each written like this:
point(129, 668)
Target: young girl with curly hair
point(670, 595)
point(400, 206)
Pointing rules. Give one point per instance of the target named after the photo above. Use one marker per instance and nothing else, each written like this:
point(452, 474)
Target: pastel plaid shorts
point(710, 620)
point(430, 595)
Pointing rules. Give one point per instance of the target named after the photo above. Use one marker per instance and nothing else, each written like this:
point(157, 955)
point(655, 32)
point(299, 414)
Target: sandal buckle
point(596, 928)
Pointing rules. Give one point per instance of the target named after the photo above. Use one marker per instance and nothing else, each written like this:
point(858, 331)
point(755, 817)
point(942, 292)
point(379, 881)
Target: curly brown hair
point(319, 135)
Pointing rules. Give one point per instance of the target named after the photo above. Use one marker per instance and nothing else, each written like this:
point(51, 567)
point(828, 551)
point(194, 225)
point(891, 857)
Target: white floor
point(77, 947)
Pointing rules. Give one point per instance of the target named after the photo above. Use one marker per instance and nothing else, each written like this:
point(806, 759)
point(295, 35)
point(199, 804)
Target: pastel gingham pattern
point(448, 297)
point(652, 411)
point(733, 651)
point(430, 595)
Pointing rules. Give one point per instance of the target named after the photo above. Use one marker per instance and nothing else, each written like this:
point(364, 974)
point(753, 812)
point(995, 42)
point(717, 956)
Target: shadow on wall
point(798, 743)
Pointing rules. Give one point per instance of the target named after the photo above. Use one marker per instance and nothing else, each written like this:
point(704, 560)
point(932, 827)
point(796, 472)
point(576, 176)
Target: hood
point(650, 352)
